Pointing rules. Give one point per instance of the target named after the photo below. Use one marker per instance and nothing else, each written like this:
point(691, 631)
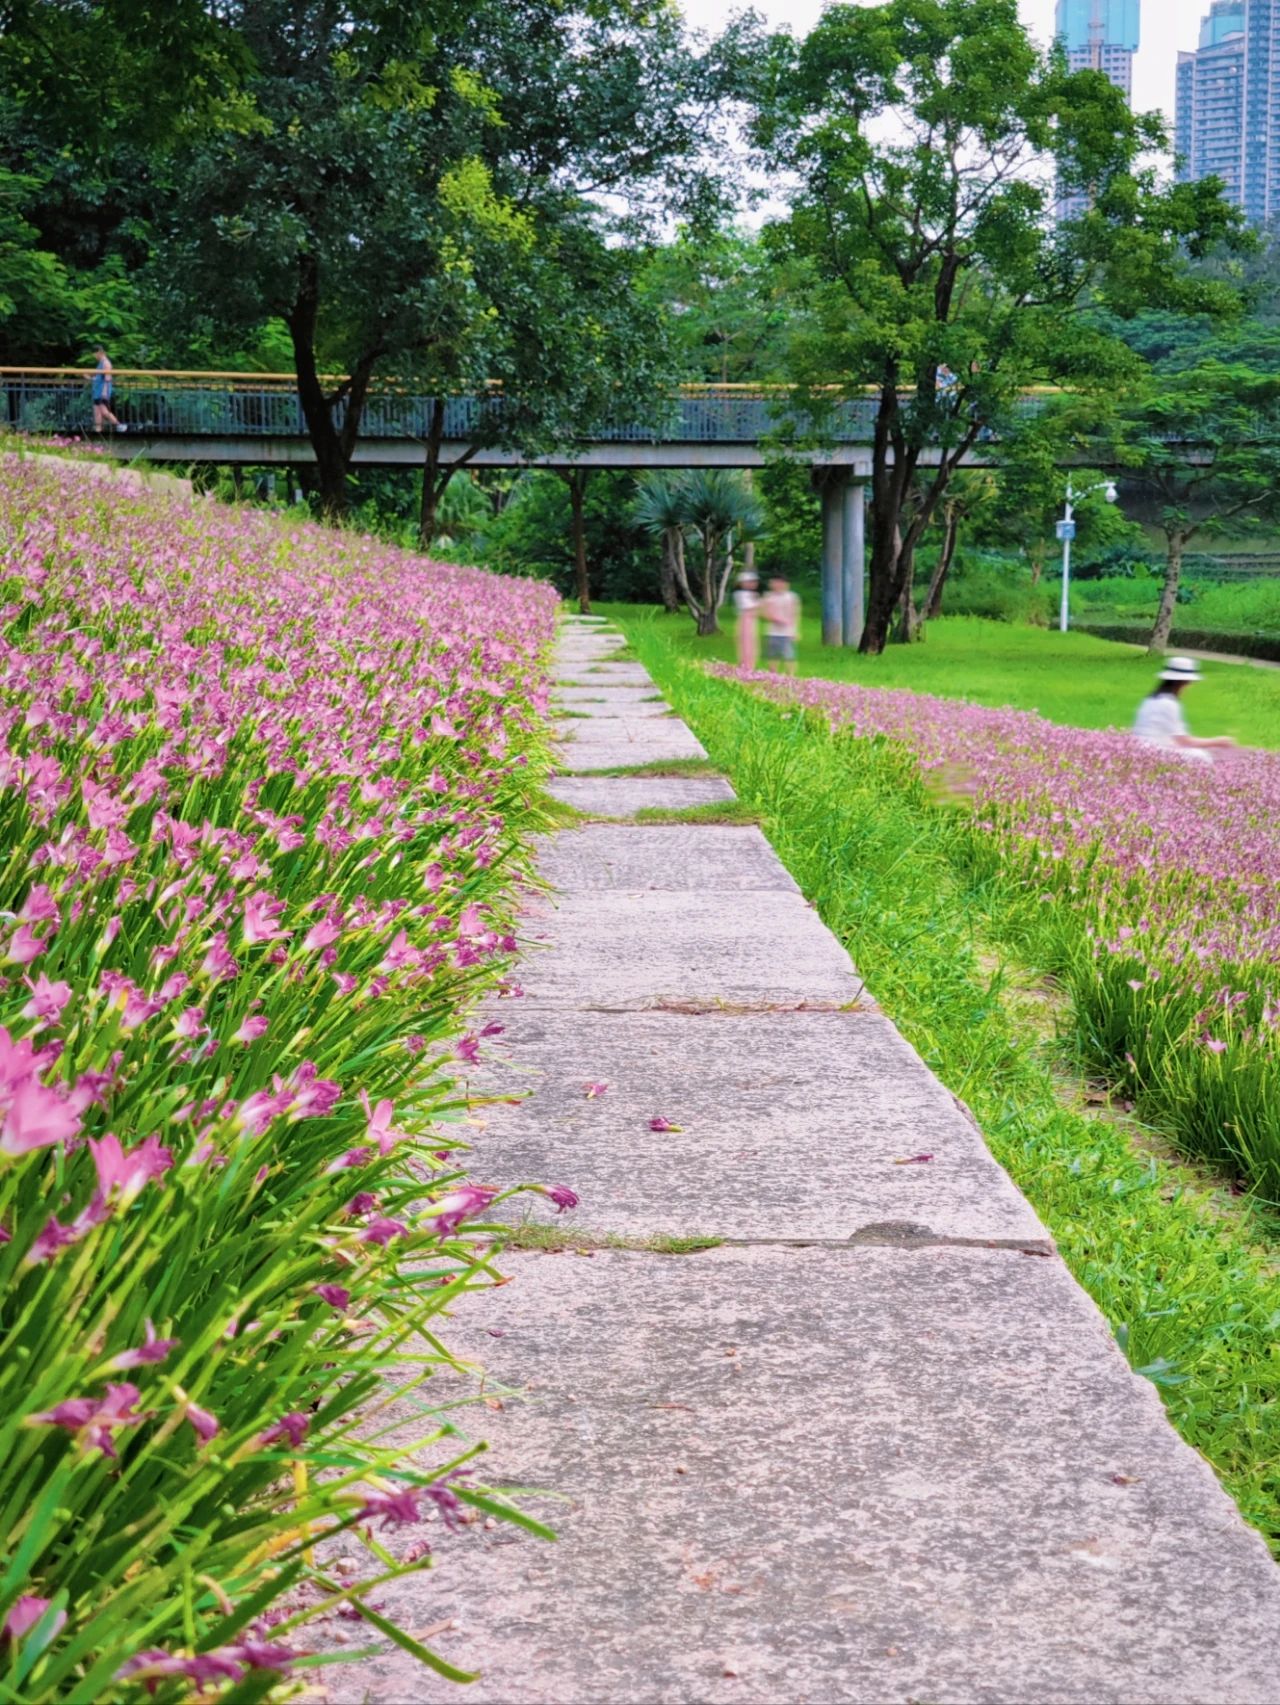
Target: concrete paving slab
point(611, 701)
point(582, 674)
point(833, 1101)
point(623, 796)
point(718, 858)
point(867, 1477)
point(579, 724)
point(619, 951)
point(585, 758)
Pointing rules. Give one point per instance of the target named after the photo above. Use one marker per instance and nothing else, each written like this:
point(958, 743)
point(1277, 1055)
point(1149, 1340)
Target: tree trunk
point(1169, 595)
point(433, 487)
point(707, 623)
point(933, 603)
point(668, 585)
point(331, 464)
point(577, 482)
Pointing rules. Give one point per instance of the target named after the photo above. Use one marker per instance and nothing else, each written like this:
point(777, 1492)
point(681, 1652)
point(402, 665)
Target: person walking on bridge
point(102, 388)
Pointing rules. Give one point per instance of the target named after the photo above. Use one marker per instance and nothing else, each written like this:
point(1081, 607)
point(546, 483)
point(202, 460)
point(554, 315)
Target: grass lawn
point(1070, 678)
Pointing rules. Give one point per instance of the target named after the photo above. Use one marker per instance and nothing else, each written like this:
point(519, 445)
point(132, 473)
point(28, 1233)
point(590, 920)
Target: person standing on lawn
point(102, 387)
point(780, 608)
point(1161, 720)
point(746, 601)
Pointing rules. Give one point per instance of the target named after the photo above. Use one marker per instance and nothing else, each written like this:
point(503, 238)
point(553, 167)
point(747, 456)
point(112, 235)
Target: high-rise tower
point(1099, 35)
point(1228, 117)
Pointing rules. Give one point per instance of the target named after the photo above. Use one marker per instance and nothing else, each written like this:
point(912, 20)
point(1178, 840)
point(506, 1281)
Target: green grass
point(720, 811)
point(1070, 678)
point(1232, 606)
point(1184, 1272)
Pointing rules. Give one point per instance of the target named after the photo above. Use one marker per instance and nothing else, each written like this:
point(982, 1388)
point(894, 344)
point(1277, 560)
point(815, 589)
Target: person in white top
point(1161, 720)
point(780, 608)
point(746, 601)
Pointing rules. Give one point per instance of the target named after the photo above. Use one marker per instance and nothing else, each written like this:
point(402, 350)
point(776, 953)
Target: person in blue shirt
point(102, 386)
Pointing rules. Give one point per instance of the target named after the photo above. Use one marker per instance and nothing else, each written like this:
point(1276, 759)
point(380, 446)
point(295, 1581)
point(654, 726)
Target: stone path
point(875, 1446)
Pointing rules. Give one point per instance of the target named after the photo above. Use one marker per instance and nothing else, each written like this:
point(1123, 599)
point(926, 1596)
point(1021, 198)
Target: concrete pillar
point(854, 560)
point(832, 560)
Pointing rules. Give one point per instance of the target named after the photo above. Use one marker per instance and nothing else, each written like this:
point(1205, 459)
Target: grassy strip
point(1070, 678)
point(1186, 1281)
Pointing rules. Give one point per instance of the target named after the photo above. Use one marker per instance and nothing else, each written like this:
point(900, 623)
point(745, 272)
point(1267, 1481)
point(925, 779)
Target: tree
point(1205, 444)
point(723, 510)
point(924, 139)
point(660, 508)
point(395, 171)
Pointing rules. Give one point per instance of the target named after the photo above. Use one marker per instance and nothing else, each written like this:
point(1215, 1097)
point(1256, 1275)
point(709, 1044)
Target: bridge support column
point(854, 561)
point(832, 489)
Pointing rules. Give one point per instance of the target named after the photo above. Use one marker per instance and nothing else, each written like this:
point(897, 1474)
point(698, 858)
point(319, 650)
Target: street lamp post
point(1067, 533)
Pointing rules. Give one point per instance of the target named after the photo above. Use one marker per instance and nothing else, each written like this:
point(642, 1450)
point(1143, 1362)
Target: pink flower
point(291, 1428)
point(309, 1096)
point(39, 906)
point(468, 1050)
point(47, 999)
point(151, 1350)
point(593, 1091)
point(1214, 1045)
point(218, 961)
point(24, 946)
point(381, 1232)
point(94, 1419)
point(460, 1205)
point(205, 1425)
point(397, 1509)
point(380, 1130)
point(661, 1124)
point(561, 1195)
point(36, 1118)
point(471, 922)
point(51, 1240)
point(128, 1171)
point(252, 1029)
point(260, 913)
point(26, 1612)
point(323, 934)
point(337, 1296)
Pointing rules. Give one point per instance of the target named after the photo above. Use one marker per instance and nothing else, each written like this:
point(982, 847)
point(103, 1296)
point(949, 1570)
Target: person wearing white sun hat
point(1161, 720)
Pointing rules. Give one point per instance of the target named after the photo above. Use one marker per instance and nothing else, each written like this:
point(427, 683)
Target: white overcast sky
point(1167, 26)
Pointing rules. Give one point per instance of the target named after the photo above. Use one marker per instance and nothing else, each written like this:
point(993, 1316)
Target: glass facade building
point(1099, 35)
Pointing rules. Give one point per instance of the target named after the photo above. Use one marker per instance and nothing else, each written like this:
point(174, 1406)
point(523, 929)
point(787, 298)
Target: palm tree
point(659, 509)
point(723, 510)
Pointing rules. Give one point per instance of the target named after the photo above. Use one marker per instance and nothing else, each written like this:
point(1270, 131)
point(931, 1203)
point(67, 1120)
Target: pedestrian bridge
point(257, 418)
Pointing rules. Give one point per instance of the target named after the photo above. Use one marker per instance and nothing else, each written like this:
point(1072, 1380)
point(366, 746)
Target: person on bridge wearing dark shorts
point(102, 386)
point(780, 608)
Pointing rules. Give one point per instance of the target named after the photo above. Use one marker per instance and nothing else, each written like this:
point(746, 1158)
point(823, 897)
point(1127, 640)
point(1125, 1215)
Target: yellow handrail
point(708, 388)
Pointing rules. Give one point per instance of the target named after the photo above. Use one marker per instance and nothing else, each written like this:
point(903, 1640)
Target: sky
point(1167, 26)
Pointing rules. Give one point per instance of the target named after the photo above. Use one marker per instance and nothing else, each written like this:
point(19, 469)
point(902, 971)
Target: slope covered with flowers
point(1151, 883)
point(262, 798)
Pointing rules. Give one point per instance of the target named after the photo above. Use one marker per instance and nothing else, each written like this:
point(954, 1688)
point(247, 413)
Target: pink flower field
point(264, 792)
point(1149, 884)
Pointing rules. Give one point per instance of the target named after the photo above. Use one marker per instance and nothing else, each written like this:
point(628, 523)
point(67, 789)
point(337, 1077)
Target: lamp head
point(1113, 493)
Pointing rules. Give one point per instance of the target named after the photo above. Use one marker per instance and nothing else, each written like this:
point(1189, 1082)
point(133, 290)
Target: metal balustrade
point(226, 405)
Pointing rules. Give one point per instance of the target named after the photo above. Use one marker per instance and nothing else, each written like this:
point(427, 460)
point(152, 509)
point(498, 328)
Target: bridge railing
point(266, 405)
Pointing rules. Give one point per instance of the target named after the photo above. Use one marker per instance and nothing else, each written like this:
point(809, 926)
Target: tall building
point(1099, 35)
point(1228, 112)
